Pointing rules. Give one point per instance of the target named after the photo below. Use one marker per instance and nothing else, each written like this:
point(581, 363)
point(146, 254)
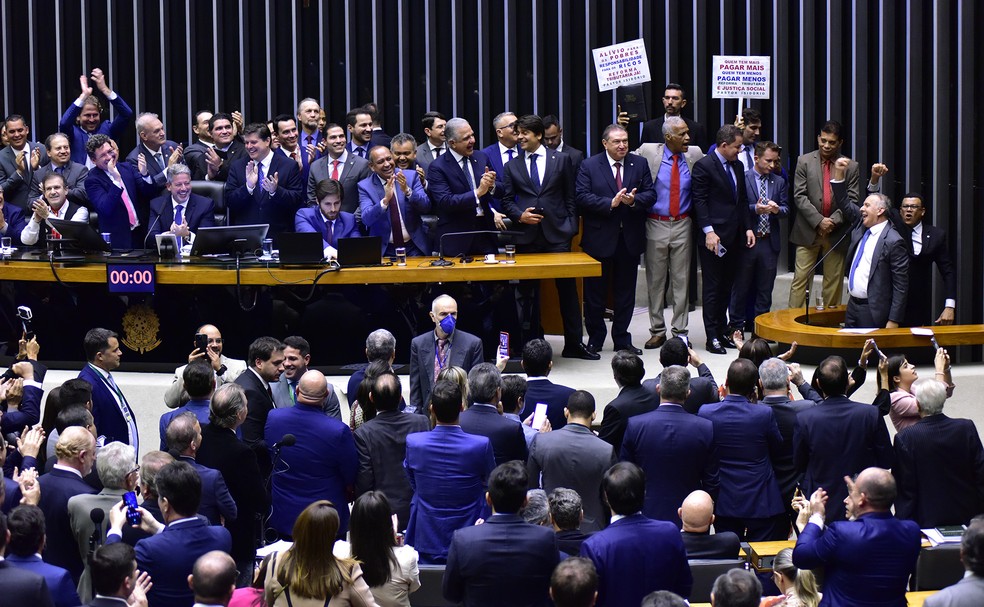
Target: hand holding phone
point(133, 515)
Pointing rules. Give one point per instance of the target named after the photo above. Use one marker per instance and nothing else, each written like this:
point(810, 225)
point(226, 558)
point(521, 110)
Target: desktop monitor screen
point(229, 240)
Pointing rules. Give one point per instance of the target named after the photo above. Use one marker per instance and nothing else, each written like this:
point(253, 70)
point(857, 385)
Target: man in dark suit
point(265, 187)
point(285, 129)
point(116, 577)
point(74, 173)
point(221, 450)
point(537, 363)
point(195, 151)
point(170, 553)
point(19, 161)
point(20, 585)
point(215, 162)
point(83, 118)
point(392, 201)
point(112, 413)
point(76, 451)
point(321, 465)
point(327, 218)
point(505, 561)
point(181, 212)
point(340, 165)
point(697, 515)
point(720, 201)
point(775, 390)
point(378, 135)
point(927, 245)
point(359, 123)
point(308, 121)
point(745, 437)
point(575, 458)
point(553, 138)
point(635, 555)
point(150, 465)
point(382, 444)
point(118, 193)
point(839, 437)
point(674, 448)
point(566, 515)
point(867, 560)
point(26, 526)
point(265, 363)
point(674, 100)
point(443, 347)
point(502, 152)
point(703, 388)
point(482, 416)
point(448, 470)
point(56, 205)
point(614, 192)
point(767, 202)
point(435, 145)
point(184, 437)
point(12, 220)
point(539, 199)
point(939, 464)
point(633, 399)
point(157, 150)
point(461, 185)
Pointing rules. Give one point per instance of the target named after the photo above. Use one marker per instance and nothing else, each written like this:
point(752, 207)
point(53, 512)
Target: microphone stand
point(809, 282)
point(441, 262)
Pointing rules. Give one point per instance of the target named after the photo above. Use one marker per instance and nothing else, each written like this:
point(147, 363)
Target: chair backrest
point(705, 571)
point(938, 567)
point(216, 191)
point(430, 593)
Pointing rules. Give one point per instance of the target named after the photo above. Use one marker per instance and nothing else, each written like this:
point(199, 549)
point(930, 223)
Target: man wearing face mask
point(443, 347)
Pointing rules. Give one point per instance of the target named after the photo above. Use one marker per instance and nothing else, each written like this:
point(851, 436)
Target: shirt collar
point(612, 161)
point(877, 229)
point(721, 159)
point(68, 469)
point(503, 149)
point(266, 384)
point(457, 157)
point(175, 203)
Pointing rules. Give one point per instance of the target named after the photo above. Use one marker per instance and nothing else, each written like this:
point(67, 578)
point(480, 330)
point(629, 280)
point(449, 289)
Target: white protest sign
point(620, 64)
point(741, 77)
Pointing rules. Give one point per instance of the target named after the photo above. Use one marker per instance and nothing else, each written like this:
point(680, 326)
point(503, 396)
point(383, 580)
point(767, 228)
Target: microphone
point(150, 231)
point(809, 282)
point(440, 261)
point(288, 440)
point(96, 539)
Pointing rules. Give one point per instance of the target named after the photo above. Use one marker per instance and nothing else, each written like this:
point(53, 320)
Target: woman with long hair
point(307, 574)
point(389, 568)
point(901, 375)
point(798, 586)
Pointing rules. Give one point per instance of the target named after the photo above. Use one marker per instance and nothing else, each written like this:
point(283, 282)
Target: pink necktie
point(131, 214)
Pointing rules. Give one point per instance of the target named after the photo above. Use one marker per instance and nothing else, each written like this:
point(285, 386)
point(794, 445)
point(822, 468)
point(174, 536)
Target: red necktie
point(828, 195)
point(334, 169)
point(675, 187)
point(296, 158)
point(618, 175)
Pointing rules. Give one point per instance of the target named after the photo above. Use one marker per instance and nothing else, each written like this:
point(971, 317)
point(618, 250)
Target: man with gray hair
point(180, 211)
point(537, 508)
point(116, 464)
point(483, 417)
point(736, 588)
point(940, 464)
point(969, 591)
point(566, 515)
point(380, 345)
point(155, 152)
point(150, 464)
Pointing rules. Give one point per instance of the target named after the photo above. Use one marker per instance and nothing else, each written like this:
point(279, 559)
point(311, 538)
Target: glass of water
point(510, 253)
point(5, 244)
point(401, 256)
point(267, 248)
point(819, 302)
point(107, 238)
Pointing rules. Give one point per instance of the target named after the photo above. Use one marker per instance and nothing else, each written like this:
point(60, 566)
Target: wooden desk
point(764, 553)
point(916, 599)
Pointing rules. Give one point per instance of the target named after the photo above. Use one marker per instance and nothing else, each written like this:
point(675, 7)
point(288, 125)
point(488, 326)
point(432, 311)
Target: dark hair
point(628, 368)
point(199, 378)
point(676, 87)
point(26, 526)
point(216, 117)
point(386, 392)
point(14, 118)
point(763, 146)
point(895, 363)
point(180, 484)
point(95, 142)
point(282, 118)
point(532, 123)
point(624, 487)
point(756, 350)
point(674, 352)
point(96, 340)
point(972, 547)
point(550, 120)
point(751, 116)
point(662, 598)
point(727, 134)
point(53, 176)
point(922, 199)
point(374, 113)
point(352, 117)
point(263, 349)
point(298, 343)
point(373, 370)
point(513, 393)
point(371, 536)
point(537, 356)
point(483, 381)
point(581, 404)
point(831, 376)
point(110, 565)
point(194, 119)
point(427, 121)
point(832, 127)
point(49, 141)
point(72, 415)
point(327, 187)
point(565, 508)
point(737, 588)
point(743, 376)
point(257, 128)
point(574, 582)
point(75, 392)
point(507, 487)
point(445, 401)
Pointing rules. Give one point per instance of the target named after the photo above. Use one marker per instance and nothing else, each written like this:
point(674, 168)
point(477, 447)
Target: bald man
point(226, 369)
point(868, 559)
point(320, 465)
point(697, 514)
point(213, 578)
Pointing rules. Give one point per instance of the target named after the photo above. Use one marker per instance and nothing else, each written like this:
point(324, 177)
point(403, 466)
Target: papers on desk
point(858, 330)
point(279, 546)
point(922, 331)
point(944, 535)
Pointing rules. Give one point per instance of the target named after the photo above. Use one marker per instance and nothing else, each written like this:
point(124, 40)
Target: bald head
point(76, 448)
point(878, 487)
point(697, 512)
point(312, 389)
point(213, 578)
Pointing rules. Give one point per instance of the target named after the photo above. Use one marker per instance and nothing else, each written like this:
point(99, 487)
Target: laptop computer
point(300, 248)
point(360, 252)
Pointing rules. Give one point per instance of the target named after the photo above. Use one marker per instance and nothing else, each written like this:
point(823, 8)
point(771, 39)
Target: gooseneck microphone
point(440, 261)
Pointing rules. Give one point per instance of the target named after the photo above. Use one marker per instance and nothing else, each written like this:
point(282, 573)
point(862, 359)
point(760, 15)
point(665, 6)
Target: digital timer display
point(131, 278)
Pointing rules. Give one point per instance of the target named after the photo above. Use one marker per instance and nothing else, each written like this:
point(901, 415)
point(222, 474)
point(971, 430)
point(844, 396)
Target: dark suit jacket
point(154, 168)
point(703, 389)
point(652, 132)
point(169, 556)
point(745, 436)
point(573, 457)
point(778, 192)
point(455, 204)
point(377, 219)
point(466, 352)
point(199, 212)
point(783, 463)
point(16, 221)
point(379, 137)
point(216, 500)
point(29, 412)
point(839, 438)
point(569, 542)
point(629, 402)
point(259, 404)
point(506, 561)
point(603, 225)
point(382, 445)
point(61, 549)
point(354, 170)
point(60, 583)
point(74, 175)
point(555, 195)
point(16, 187)
point(193, 155)
point(888, 281)
point(106, 413)
point(310, 219)
point(940, 472)
point(107, 200)
point(577, 156)
point(554, 395)
point(635, 556)
point(277, 209)
point(508, 440)
point(722, 545)
point(716, 202)
point(919, 302)
point(235, 152)
point(23, 587)
point(222, 451)
point(676, 451)
point(866, 562)
point(79, 137)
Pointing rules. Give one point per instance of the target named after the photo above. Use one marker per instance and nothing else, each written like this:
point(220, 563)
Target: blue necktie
point(534, 172)
point(468, 173)
point(857, 259)
point(179, 214)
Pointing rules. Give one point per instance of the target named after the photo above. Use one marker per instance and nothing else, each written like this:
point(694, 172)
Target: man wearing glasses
point(226, 369)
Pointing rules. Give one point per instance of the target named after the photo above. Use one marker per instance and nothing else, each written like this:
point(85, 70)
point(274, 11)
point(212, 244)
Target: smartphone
point(720, 250)
point(539, 416)
point(504, 344)
point(539, 211)
point(25, 316)
point(878, 352)
point(133, 515)
point(932, 340)
point(201, 342)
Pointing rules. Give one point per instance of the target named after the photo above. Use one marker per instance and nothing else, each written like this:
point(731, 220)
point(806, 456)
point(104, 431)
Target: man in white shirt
point(54, 204)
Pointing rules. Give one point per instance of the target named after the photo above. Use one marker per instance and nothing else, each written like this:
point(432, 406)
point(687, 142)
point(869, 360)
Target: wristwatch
point(221, 371)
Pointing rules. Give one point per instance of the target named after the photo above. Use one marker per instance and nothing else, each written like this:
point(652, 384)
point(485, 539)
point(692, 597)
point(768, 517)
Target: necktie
point(259, 175)
point(179, 214)
point(534, 172)
point(511, 153)
point(160, 160)
point(618, 175)
point(675, 187)
point(395, 223)
point(131, 213)
point(763, 225)
point(296, 158)
point(293, 390)
point(331, 232)
point(270, 393)
point(731, 176)
point(748, 156)
point(438, 151)
point(468, 173)
point(334, 169)
point(440, 356)
point(857, 259)
point(361, 151)
point(828, 194)
point(60, 170)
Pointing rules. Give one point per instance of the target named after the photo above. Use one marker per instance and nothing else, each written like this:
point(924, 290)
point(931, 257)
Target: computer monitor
point(229, 240)
point(86, 239)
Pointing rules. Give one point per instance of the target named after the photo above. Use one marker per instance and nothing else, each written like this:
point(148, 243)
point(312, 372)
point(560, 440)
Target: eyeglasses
point(911, 207)
point(134, 471)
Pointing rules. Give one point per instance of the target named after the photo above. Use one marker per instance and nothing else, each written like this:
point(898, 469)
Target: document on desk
point(858, 330)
